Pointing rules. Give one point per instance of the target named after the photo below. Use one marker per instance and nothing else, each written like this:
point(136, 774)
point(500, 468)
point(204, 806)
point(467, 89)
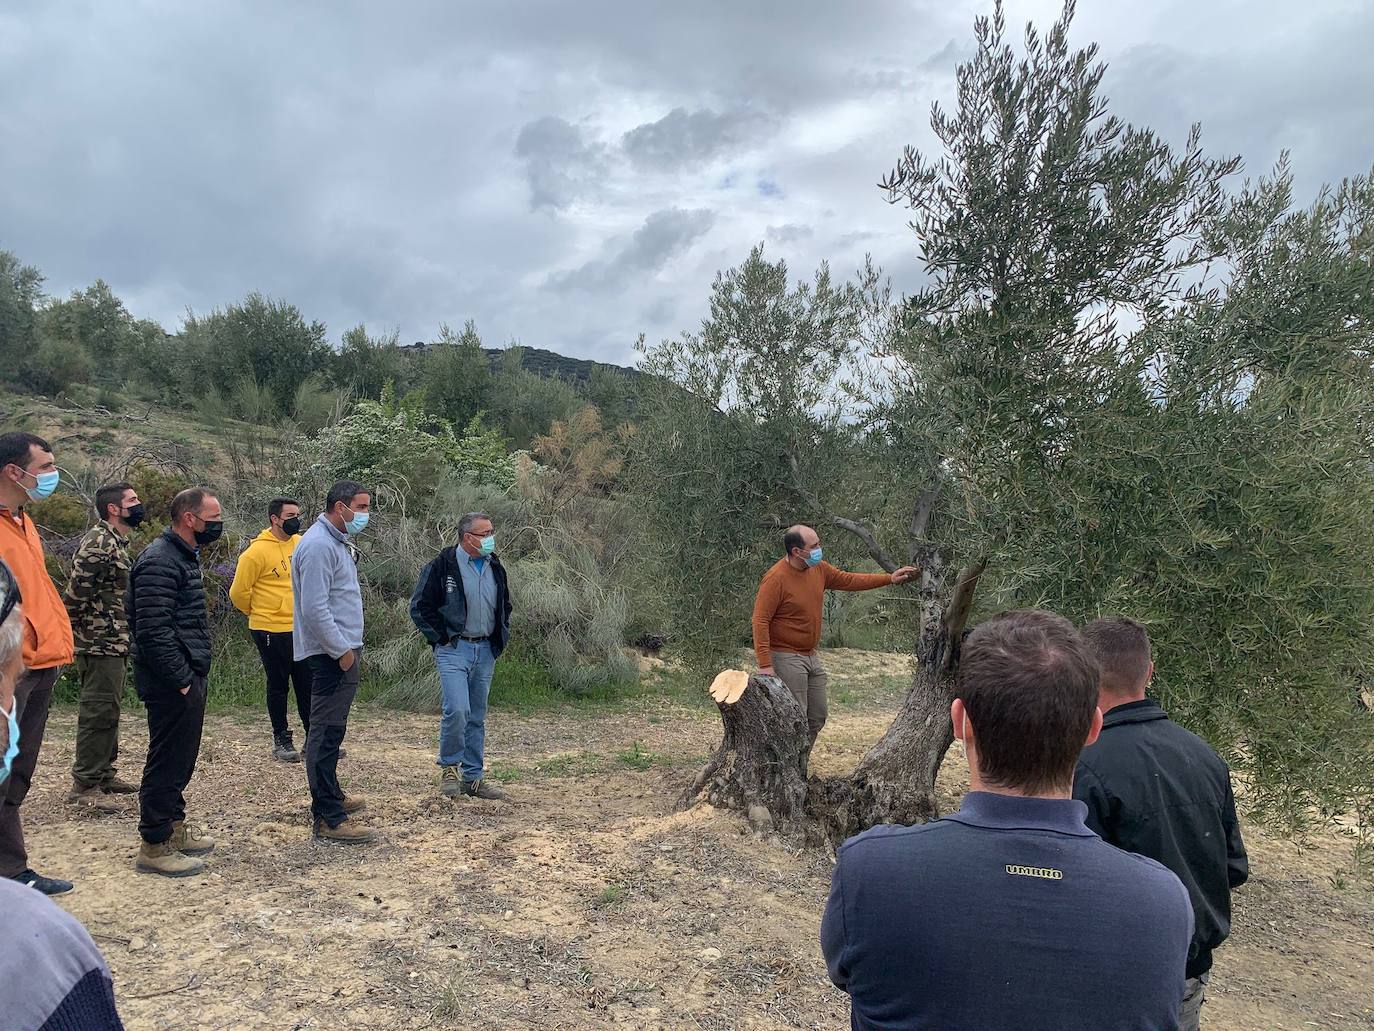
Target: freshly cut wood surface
point(729, 685)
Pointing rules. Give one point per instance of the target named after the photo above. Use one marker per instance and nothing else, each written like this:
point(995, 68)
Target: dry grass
point(584, 903)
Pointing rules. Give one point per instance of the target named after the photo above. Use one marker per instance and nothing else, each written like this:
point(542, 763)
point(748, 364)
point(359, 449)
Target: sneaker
point(115, 786)
point(450, 783)
point(46, 885)
point(284, 750)
point(163, 859)
point(481, 789)
point(348, 832)
point(353, 804)
point(190, 840)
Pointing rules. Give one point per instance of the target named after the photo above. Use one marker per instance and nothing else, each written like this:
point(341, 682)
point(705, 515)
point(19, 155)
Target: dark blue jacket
point(1154, 788)
point(1008, 914)
point(439, 607)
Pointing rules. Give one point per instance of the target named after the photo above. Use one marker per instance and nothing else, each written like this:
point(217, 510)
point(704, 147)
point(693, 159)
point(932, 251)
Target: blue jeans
point(465, 669)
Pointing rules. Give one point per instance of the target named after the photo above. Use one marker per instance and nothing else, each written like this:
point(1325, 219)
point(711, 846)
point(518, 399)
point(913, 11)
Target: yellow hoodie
point(262, 583)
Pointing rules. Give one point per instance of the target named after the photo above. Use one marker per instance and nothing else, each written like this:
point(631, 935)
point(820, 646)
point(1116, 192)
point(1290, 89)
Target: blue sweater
point(52, 977)
point(1009, 913)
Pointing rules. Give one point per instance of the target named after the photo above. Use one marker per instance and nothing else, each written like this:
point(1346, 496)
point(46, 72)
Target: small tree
point(21, 292)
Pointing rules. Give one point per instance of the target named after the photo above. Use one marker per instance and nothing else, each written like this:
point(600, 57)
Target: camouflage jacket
point(95, 593)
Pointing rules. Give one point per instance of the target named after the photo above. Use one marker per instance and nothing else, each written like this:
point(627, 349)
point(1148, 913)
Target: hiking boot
point(283, 749)
point(91, 795)
point(46, 885)
point(348, 832)
point(353, 804)
point(450, 783)
point(115, 786)
point(481, 789)
point(190, 840)
point(163, 859)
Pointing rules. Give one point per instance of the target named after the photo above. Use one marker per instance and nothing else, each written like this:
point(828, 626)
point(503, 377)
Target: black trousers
point(275, 648)
point(32, 695)
point(331, 697)
point(175, 721)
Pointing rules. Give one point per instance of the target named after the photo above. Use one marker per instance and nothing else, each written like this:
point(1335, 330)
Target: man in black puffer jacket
point(170, 645)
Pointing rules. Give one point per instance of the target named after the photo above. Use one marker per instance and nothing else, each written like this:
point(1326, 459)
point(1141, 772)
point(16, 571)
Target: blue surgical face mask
point(47, 483)
point(13, 748)
point(488, 544)
point(358, 523)
point(813, 556)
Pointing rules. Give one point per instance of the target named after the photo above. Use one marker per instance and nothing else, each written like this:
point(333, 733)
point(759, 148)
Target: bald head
point(799, 536)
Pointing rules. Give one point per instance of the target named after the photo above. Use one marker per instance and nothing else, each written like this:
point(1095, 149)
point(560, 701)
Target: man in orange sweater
point(27, 474)
point(787, 617)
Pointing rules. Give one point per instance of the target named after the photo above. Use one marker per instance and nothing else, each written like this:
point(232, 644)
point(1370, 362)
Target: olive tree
point(1121, 389)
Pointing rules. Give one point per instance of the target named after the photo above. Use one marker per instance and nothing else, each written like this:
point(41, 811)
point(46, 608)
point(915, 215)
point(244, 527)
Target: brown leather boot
point(349, 832)
point(163, 859)
point(91, 795)
point(190, 840)
point(352, 804)
point(116, 786)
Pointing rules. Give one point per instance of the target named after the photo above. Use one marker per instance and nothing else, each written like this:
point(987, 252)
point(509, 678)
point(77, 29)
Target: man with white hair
point(51, 973)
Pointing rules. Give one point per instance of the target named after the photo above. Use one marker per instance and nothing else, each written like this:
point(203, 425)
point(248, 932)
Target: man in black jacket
point(462, 606)
point(170, 637)
point(1154, 788)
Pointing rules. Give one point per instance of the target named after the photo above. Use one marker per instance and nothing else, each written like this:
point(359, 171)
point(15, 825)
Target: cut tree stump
point(761, 761)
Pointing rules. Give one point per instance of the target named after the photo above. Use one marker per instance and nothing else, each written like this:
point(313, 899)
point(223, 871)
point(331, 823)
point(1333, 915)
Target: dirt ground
point(584, 902)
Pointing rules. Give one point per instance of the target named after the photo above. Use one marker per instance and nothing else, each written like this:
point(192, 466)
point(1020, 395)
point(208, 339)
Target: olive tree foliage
point(1128, 378)
point(742, 429)
point(1121, 390)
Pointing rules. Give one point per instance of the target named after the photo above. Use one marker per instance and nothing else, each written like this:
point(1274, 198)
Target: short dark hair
point(345, 491)
point(16, 446)
point(1122, 649)
point(791, 539)
point(110, 494)
point(1029, 684)
point(275, 506)
point(190, 500)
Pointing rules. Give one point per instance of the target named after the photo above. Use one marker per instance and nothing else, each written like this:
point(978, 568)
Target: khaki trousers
point(805, 677)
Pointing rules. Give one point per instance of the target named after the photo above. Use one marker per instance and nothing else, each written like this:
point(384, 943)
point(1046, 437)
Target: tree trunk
point(895, 781)
point(761, 762)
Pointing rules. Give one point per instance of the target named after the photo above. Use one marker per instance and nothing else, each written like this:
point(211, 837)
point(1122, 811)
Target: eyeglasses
point(9, 593)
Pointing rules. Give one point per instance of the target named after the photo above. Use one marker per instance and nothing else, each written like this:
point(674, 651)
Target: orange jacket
point(787, 611)
point(47, 630)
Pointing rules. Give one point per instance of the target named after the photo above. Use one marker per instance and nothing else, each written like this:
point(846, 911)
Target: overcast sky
point(567, 173)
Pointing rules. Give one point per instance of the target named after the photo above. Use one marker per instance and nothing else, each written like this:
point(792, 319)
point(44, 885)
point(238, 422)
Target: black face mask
point(134, 516)
point(210, 534)
point(291, 526)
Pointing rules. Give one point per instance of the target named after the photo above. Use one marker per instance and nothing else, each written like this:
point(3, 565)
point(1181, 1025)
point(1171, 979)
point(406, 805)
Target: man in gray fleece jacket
point(329, 635)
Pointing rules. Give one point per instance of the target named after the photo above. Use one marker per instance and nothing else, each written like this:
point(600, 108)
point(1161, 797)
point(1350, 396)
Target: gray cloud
point(561, 164)
point(790, 233)
point(565, 174)
point(663, 236)
point(684, 138)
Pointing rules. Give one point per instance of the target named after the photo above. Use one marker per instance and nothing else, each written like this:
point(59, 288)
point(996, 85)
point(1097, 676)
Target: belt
point(465, 637)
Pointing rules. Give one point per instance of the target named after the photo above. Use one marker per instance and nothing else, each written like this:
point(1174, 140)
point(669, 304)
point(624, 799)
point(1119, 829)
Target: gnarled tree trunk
point(895, 781)
point(761, 761)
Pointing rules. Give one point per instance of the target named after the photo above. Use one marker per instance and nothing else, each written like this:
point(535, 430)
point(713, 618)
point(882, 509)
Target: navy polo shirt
point(1009, 913)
